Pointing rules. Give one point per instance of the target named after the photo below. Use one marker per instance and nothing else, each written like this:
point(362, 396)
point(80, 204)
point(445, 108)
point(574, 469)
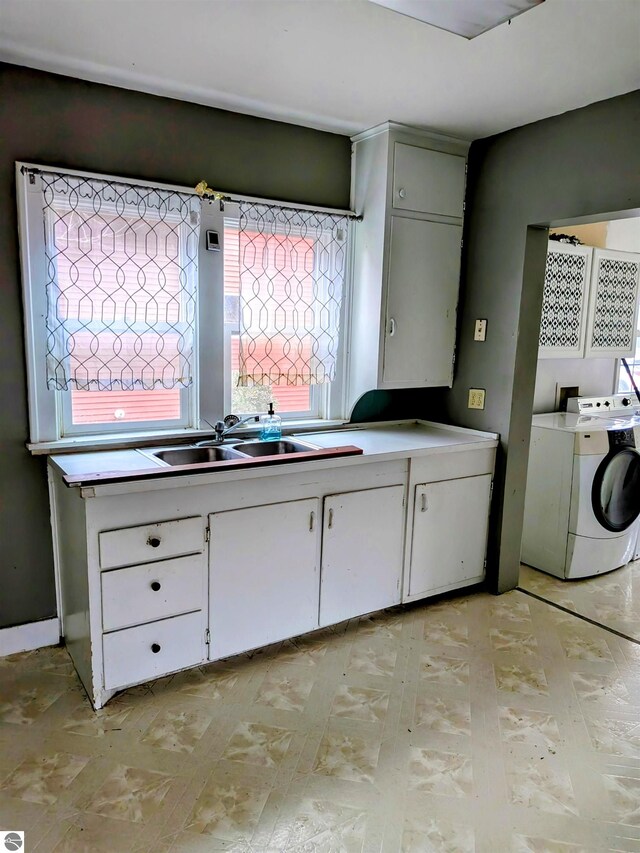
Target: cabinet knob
point(154, 541)
point(155, 648)
point(155, 586)
point(402, 192)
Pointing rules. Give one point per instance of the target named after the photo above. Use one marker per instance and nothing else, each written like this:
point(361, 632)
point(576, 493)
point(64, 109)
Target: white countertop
point(403, 439)
point(568, 422)
point(379, 442)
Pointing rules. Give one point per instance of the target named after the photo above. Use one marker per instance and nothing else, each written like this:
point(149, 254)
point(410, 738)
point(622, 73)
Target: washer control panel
point(614, 404)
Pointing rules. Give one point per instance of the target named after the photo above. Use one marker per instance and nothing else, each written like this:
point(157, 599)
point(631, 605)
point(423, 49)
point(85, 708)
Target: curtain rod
point(222, 199)
point(206, 192)
point(209, 196)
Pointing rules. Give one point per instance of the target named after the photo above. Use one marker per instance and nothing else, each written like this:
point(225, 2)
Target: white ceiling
point(340, 65)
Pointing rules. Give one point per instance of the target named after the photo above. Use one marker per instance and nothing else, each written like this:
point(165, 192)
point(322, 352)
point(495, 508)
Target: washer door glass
point(616, 490)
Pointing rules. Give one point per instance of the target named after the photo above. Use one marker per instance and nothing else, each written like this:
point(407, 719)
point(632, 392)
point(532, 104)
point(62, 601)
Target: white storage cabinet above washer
point(590, 303)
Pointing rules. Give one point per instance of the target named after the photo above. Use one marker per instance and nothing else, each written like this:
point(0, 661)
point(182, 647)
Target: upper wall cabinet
point(409, 187)
point(613, 304)
point(590, 303)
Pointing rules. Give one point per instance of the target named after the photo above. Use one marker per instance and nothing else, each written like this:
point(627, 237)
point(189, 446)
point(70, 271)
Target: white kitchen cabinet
point(565, 301)
point(613, 304)
point(427, 181)
point(151, 650)
point(449, 537)
point(590, 303)
point(362, 543)
point(161, 575)
point(263, 575)
point(409, 188)
point(424, 258)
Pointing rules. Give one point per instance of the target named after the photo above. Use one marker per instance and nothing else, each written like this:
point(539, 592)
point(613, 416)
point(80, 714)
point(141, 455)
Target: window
point(131, 324)
point(624, 383)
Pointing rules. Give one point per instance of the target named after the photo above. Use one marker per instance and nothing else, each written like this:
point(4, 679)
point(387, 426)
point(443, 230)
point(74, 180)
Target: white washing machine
point(583, 487)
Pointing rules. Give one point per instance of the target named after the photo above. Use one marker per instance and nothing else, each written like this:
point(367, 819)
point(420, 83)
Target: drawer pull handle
point(154, 541)
point(155, 586)
point(155, 648)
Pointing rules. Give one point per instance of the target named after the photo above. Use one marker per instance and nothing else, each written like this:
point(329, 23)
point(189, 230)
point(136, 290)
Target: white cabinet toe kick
point(160, 581)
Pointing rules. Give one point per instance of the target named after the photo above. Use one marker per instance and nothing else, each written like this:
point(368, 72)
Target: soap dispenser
point(270, 426)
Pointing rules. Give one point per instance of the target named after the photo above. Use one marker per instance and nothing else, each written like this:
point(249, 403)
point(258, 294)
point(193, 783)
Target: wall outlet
point(476, 398)
point(480, 331)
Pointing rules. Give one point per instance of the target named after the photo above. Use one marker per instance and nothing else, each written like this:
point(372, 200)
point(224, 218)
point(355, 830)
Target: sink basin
point(274, 448)
point(197, 455)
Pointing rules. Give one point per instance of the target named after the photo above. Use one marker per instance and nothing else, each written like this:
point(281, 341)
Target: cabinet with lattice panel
point(590, 303)
point(613, 304)
point(565, 301)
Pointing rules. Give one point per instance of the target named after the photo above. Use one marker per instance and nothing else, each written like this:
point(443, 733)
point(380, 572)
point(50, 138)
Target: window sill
point(122, 441)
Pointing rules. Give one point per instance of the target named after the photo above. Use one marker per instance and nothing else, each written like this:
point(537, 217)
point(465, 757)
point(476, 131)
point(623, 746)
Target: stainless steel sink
point(274, 448)
point(197, 455)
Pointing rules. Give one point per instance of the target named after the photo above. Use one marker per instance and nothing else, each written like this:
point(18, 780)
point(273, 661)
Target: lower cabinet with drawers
point(163, 578)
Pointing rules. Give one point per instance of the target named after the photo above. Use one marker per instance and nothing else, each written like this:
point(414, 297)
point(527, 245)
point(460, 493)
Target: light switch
point(480, 332)
point(476, 398)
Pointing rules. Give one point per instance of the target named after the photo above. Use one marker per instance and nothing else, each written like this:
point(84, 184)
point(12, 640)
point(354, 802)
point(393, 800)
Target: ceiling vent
point(468, 18)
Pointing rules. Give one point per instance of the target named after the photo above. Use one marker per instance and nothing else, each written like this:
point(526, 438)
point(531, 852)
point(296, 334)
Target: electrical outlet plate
point(480, 331)
point(476, 398)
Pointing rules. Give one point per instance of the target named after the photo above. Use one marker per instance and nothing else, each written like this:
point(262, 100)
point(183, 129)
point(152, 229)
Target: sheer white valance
point(121, 284)
point(292, 265)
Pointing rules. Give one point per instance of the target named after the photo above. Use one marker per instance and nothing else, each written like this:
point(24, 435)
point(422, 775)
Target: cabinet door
point(611, 329)
point(564, 301)
point(449, 539)
point(428, 181)
point(361, 552)
point(263, 575)
point(422, 296)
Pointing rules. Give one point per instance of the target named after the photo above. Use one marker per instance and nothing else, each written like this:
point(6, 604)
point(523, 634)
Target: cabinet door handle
point(392, 327)
point(312, 520)
point(154, 541)
point(155, 586)
point(402, 192)
point(424, 502)
point(330, 521)
point(155, 648)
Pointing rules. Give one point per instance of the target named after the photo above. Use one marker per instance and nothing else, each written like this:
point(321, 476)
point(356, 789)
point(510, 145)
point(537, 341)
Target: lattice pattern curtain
point(291, 270)
point(121, 283)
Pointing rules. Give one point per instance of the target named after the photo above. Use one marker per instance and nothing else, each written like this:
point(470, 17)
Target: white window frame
point(50, 411)
point(328, 400)
point(208, 399)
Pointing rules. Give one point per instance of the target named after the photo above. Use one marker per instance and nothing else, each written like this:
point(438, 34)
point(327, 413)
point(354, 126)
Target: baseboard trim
point(33, 635)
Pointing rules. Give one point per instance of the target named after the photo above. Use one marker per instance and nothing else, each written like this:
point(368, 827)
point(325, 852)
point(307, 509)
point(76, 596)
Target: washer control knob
point(625, 401)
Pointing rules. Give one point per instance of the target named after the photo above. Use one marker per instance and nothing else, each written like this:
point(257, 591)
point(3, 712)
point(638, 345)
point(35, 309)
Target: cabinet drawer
point(150, 651)
point(428, 181)
point(151, 542)
point(154, 591)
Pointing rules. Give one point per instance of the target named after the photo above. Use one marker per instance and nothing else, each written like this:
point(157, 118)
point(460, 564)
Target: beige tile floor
point(612, 600)
point(475, 723)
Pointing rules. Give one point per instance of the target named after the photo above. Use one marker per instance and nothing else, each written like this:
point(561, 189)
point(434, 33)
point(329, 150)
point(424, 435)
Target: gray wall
point(62, 121)
point(585, 163)
point(595, 377)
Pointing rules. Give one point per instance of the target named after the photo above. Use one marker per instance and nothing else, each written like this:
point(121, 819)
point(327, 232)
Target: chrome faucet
point(223, 428)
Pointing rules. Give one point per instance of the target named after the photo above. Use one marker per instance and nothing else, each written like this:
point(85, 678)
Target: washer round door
point(615, 495)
